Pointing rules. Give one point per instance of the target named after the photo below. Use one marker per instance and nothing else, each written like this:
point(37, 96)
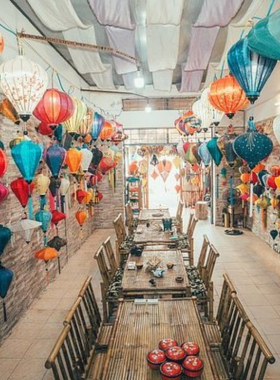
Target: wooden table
point(136, 283)
point(138, 330)
point(153, 214)
point(152, 234)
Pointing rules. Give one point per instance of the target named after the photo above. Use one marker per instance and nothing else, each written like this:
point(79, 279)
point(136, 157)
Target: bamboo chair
point(207, 270)
point(178, 220)
point(121, 236)
point(188, 252)
point(110, 255)
point(129, 219)
point(103, 265)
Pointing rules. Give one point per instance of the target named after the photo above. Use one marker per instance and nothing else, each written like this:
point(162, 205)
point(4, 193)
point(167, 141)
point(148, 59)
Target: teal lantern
point(214, 150)
point(44, 217)
point(6, 277)
point(264, 38)
point(27, 156)
point(98, 122)
point(204, 154)
point(5, 237)
point(250, 69)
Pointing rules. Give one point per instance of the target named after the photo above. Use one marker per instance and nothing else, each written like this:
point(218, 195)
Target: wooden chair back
point(203, 252)
point(190, 230)
point(189, 224)
point(120, 229)
point(208, 269)
point(179, 212)
point(110, 255)
point(103, 266)
point(225, 301)
point(129, 218)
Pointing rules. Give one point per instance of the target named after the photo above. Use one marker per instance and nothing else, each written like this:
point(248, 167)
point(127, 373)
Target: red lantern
point(271, 182)
point(95, 178)
point(55, 107)
point(254, 178)
point(44, 129)
point(227, 96)
point(21, 190)
point(73, 160)
point(4, 191)
point(2, 44)
point(80, 195)
point(57, 216)
point(3, 162)
point(81, 217)
point(106, 164)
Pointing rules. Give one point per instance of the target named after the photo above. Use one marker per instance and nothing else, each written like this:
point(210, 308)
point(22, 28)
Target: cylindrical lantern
point(72, 124)
point(73, 160)
point(23, 82)
point(55, 107)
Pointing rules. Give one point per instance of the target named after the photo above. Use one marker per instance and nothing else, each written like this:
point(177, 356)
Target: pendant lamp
point(250, 69)
point(154, 160)
point(72, 124)
point(214, 150)
point(107, 130)
point(44, 217)
point(54, 157)
point(97, 125)
point(86, 123)
point(23, 82)
point(42, 186)
point(9, 111)
point(216, 115)
point(6, 277)
point(55, 107)
point(22, 190)
point(203, 113)
point(25, 228)
point(227, 96)
point(27, 156)
point(81, 217)
point(86, 158)
point(73, 160)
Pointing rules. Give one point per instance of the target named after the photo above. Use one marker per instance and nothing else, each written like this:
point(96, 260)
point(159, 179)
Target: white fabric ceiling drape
point(50, 12)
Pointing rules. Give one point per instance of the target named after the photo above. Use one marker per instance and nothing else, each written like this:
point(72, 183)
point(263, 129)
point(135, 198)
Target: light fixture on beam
point(138, 79)
point(148, 108)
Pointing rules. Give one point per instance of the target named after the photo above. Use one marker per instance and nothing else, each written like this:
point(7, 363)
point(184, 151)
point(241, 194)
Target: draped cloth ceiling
point(178, 44)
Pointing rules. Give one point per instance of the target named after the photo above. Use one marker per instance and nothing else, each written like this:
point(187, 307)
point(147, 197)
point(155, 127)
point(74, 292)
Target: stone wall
point(29, 273)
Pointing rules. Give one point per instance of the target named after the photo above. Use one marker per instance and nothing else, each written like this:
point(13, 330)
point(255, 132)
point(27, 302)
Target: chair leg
point(191, 252)
point(104, 303)
point(211, 301)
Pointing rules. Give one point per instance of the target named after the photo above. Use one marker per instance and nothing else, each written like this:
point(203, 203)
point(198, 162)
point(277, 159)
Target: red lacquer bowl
point(191, 348)
point(155, 358)
point(176, 354)
point(193, 366)
point(166, 343)
point(170, 370)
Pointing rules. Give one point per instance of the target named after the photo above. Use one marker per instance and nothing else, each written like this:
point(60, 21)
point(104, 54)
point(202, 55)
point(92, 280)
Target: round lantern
point(80, 195)
point(4, 191)
point(216, 115)
point(97, 125)
point(106, 164)
point(27, 156)
point(204, 113)
point(22, 190)
point(6, 277)
point(86, 123)
point(73, 160)
point(166, 343)
point(5, 237)
point(72, 124)
point(3, 163)
point(55, 107)
point(55, 157)
point(86, 159)
point(250, 69)
point(23, 82)
point(81, 217)
point(106, 131)
point(9, 111)
point(227, 96)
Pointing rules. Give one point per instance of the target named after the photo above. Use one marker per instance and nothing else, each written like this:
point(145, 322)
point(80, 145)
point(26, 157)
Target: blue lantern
point(214, 150)
point(6, 277)
point(225, 144)
point(44, 217)
point(252, 146)
point(5, 236)
point(97, 125)
point(250, 69)
point(264, 38)
point(54, 157)
point(58, 132)
point(27, 156)
point(204, 154)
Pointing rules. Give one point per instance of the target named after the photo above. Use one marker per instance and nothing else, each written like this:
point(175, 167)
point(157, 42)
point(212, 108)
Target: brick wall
point(29, 274)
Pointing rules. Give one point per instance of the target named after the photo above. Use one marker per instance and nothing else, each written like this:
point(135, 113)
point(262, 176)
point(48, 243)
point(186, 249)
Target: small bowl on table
point(179, 279)
point(139, 265)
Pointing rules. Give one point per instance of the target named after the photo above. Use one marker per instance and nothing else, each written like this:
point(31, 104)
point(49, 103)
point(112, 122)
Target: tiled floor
point(252, 265)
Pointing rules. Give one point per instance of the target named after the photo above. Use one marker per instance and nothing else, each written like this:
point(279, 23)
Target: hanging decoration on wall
point(106, 131)
point(64, 188)
point(154, 161)
point(250, 69)
point(81, 217)
point(273, 234)
point(23, 82)
point(87, 156)
point(252, 146)
point(227, 96)
point(214, 150)
point(164, 168)
point(57, 243)
point(80, 110)
point(54, 107)
point(97, 125)
point(5, 237)
point(27, 156)
point(204, 154)
point(42, 185)
point(6, 278)
point(54, 157)
point(44, 217)
point(80, 195)
point(22, 190)
point(96, 157)
point(73, 160)
point(3, 162)
point(25, 228)
point(86, 123)
point(225, 144)
point(44, 130)
point(4, 191)
point(106, 164)
point(8, 110)
point(46, 254)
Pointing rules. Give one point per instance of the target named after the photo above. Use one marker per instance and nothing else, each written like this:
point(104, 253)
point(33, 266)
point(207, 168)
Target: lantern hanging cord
point(8, 30)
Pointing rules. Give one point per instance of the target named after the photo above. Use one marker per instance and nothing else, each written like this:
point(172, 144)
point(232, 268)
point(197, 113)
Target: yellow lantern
point(42, 184)
point(72, 124)
point(274, 202)
point(244, 189)
point(277, 182)
point(88, 197)
point(9, 111)
point(277, 224)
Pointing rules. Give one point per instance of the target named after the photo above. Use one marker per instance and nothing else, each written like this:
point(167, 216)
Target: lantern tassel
point(45, 240)
point(62, 200)
point(42, 202)
point(251, 201)
point(4, 311)
point(58, 260)
point(217, 186)
point(30, 207)
point(47, 277)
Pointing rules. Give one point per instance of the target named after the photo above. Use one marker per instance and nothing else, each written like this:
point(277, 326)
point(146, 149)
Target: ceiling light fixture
point(148, 108)
point(138, 79)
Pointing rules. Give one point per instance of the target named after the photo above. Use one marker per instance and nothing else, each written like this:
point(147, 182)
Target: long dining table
point(153, 234)
point(150, 215)
point(136, 282)
point(138, 329)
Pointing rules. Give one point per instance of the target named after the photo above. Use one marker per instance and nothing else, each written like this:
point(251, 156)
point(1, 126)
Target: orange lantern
point(133, 167)
point(81, 217)
point(73, 160)
point(46, 254)
point(2, 43)
point(106, 131)
point(258, 168)
point(88, 197)
point(274, 202)
point(9, 111)
point(277, 182)
point(245, 177)
point(227, 96)
point(275, 170)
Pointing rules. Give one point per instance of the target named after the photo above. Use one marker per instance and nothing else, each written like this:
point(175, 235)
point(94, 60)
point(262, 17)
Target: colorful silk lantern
point(225, 144)
point(54, 185)
point(216, 115)
point(6, 278)
point(262, 176)
point(227, 96)
point(72, 124)
point(274, 202)
point(4, 191)
point(88, 197)
point(25, 228)
point(275, 170)
point(86, 159)
point(86, 123)
point(27, 156)
point(22, 190)
point(3, 162)
point(73, 160)
point(97, 125)
point(2, 43)
point(8, 110)
point(57, 242)
point(106, 131)
point(245, 177)
point(270, 182)
point(190, 156)
point(42, 185)
point(98, 196)
point(258, 189)
point(250, 69)
point(106, 164)
point(204, 154)
point(55, 156)
point(273, 234)
point(64, 188)
point(57, 216)
point(55, 107)
point(5, 237)
point(203, 113)
point(95, 178)
point(44, 130)
point(96, 157)
point(44, 217)
point(46, 254)
point(252, 146)
point(23, 82)
point(214, 150)
point(80, 195)
point(81, 217)
point(58, 132)
point(259, 167)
